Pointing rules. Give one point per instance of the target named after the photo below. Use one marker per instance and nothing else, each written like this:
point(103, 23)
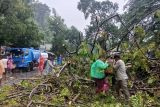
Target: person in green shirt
point(98, 74)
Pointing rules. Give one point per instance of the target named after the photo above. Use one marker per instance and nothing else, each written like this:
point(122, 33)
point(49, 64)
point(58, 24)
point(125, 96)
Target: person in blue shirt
point(59, 60)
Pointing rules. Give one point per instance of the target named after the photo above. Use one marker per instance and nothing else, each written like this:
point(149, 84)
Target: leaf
point(150, 81)
point(65, 92)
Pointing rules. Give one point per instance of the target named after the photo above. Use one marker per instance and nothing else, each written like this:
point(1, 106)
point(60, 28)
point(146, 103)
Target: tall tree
point(143, 13)
point(17, 24)
point(62, 35)
point(41, 14)
point(98, 12)
point(137, 10)
point(58, 29)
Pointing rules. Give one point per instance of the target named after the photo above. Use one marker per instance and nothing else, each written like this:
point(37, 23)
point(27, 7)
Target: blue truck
point(25, 58)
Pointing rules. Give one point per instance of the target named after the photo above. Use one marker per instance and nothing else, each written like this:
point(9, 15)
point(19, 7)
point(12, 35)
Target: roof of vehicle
point(9, 49)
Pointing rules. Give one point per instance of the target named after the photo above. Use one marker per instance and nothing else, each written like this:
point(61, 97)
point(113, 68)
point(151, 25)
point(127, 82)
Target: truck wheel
point(31, 66)
point(28, 69)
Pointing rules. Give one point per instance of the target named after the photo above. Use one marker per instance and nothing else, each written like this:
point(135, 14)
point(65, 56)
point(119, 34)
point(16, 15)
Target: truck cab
point(25, 57)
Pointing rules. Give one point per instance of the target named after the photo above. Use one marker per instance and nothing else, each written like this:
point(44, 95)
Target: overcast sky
point(67, 9)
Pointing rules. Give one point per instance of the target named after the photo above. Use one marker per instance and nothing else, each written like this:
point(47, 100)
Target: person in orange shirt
point(41, 64)
point(2, 69)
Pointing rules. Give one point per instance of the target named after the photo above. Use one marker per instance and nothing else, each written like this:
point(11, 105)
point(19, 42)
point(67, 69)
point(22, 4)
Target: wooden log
point(64, 66)
point(29, 104)
point(76, 97)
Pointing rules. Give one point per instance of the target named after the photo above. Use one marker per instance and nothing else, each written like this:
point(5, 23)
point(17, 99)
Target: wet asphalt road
point(17, 76)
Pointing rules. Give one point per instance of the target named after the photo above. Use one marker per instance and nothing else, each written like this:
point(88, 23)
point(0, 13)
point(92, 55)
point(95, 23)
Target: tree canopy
point(17, 25)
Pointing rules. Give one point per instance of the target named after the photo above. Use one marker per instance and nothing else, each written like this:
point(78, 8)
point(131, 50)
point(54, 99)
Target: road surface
point(17, 76)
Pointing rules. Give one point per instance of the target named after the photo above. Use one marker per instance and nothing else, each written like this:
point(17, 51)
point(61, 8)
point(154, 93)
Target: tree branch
point(77, 46)
point(129, 30)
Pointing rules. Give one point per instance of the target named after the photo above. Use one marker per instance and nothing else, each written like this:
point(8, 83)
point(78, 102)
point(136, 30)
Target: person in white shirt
point(2, 69)
point(48, 66)
point(4, 61)
point(121, 76)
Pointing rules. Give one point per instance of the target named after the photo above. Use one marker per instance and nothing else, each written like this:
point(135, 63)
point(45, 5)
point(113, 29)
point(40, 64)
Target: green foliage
point(4, 92)
point(98, 51)
point(125, 46)
point(62, 35)
point(137, 100)
point(102, 10)
point(136, 9)
point(151, 80)
point(92, 7)
point(17, 25)
point(65, 92)
point(156, 27)
point(139, 60)
point(73, 35)
point(58, 29)
point(139, 32)
point(67, 86)
point(18, 28)
point(12, 103)
point(157, 52)
point(25, 84)
point(143, 13)
point(73, 38)
point(157, 15)
point(84, 50)
point(99, 104)
point(141, 100)
point(41, 14)
point(108, 101)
